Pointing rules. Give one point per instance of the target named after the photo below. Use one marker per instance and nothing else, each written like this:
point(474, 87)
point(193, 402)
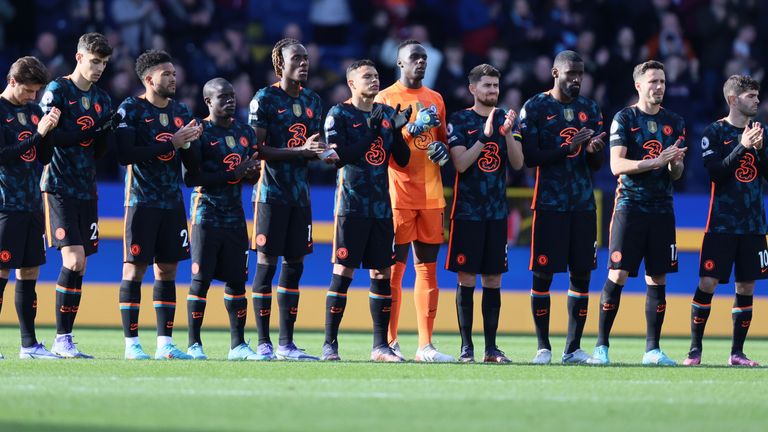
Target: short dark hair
point(94, 43)
point(358, 64)
point(210, 87)
point(738, 84)
point(566, 56)
point(149, 59)
point(405, 43)
point(479, 71)
point(642, 67)
point(277, 54)
point(28, 70)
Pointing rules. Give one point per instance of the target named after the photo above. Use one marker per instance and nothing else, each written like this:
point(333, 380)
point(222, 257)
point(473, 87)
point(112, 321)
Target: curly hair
point(278, 62)
point(150, 59)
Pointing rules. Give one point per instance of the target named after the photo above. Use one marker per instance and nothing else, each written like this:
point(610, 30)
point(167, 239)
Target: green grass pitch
point(112, 394)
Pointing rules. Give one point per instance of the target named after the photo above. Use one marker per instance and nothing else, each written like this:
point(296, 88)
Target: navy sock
point(67, 299)
point(742, 318)
point(491, 307)
point(610, 299)
point(288, 299)
point(261, 297)
point(237, 310)
point(130, 301)
point(700, 308)
point(335, 302)
point(380, 303)
point(164, 300)
point(578, 304)
point(540, 305)
point(655, 309)
point(464, 312)
point(196, 301)
point(26, 309)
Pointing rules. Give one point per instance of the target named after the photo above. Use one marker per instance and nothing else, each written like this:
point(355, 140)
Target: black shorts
point(282, 230)
point(154, 235)
point(721, 252)
point(643, 236)
point(563, 241)
point(477, 247)
point(21, 240)
point(219, 253)
point(71, 222)
point(363, 240)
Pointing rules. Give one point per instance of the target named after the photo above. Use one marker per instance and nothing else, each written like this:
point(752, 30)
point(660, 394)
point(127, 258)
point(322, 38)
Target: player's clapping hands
point(426, 119)
point(248, 167)
point(752, 136)
point(186, 134)
point(48, 122)
point(488, 128)
point(673, 154)
point(596, 144)
point(509, 121)
point(313, 147)
point(581, 137)
point(437, 152)
point(401, 117)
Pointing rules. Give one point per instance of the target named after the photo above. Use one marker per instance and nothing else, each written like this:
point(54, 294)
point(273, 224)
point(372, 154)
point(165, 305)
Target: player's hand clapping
point(596, 144)
point(48, 122)
point(426, 119)
point(186, 134)
point(437, 152)
point(247, 167)
point(401, 117)
point(579, 138)
point(313, 147)
point(673, 154)
point(488, 128)
point(509, 121)
point(377, 115)
point(752, 136)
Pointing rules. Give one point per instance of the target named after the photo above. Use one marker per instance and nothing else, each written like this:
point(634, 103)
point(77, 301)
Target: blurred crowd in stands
point(701, 42)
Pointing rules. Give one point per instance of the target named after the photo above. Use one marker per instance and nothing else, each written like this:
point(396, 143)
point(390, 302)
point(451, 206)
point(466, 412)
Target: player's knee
point(745, 288)
point(708, 284)
point(5, 273)
point(73, 258)
point(263, 258)
point(345, 271)
point(165, 271)
point(401, 252)
point(618, 276)
point(134, 271)
point(26, 273)
point(466, 279)
point(199, 288)
point(425, 252)
point(491, 281)
point(234, 288)
point(656, 279)
point(290, 274)
point(384, 273)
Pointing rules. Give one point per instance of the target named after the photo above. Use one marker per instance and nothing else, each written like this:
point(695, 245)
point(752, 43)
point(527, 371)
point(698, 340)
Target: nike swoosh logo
point(149, 120)
point(72, 102)
point(551, 117)
point(8, 120)
point(356, 125)
point(472, 131)
point(213, 143)
point(634, 129)
point(764, 269)
point(727, 142)
point(280, 111)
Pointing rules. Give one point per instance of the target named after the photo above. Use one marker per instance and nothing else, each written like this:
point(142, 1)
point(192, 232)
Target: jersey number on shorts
point(183, 234)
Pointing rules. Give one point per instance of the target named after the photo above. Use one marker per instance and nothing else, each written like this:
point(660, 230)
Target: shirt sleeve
point(619, 136)
point(257, 111)
point(52, 97)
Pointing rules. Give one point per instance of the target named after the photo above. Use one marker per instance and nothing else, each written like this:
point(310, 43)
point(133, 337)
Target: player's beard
point(166, 92)
point(489, 101)
point(747, 110)
point(572, 91)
